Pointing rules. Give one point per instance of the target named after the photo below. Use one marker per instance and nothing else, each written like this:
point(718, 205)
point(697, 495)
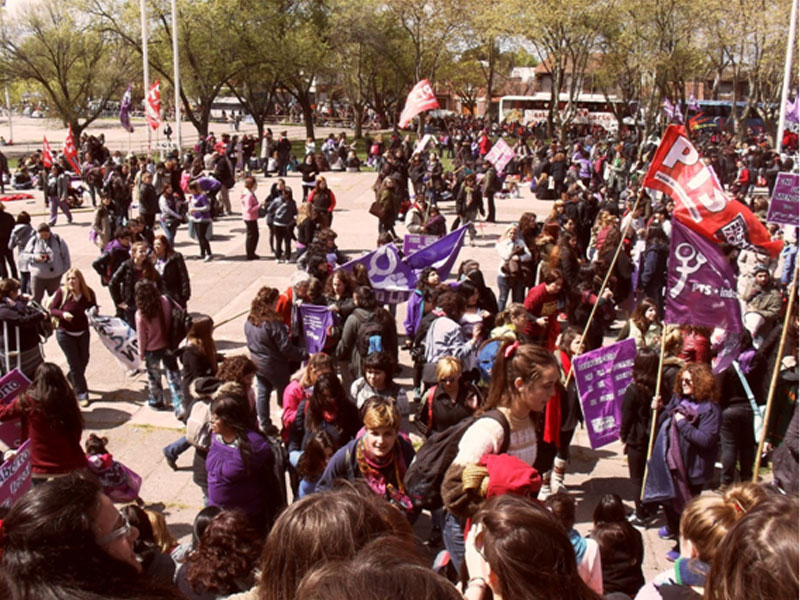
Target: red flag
point(152, 107)
point(47, 154)
point(420, 98)
point(700, 202)
point(71, 151)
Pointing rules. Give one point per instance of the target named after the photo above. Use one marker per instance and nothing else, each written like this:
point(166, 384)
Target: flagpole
point(775, 371)
point(177, 75)
point(145, 65)
point(654, 418)
point(787, 76)
point(605, 282)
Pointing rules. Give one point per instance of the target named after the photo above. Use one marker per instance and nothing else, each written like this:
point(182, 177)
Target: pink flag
point(669, 110)
point(693, 104)
point(71, 151)
point(47, 154)
point(420, 98)
point(152, 107)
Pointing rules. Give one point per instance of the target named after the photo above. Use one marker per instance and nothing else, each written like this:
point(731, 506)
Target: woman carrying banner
point(686, 446)
point(69, 306)
point(271, 349)
point(52, 418)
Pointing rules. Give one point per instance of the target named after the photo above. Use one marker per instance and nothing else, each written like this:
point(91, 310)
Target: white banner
point(120, 339)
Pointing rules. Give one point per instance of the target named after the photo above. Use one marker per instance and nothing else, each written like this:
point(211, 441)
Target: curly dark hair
point(346, 278)
point(226, 556)
point(236, 368)
point(261, 310)
point(703, 382)
point(148, 299)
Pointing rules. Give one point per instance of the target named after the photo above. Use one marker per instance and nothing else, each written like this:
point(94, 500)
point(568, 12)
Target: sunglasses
point(123, 531)
point(448, 380)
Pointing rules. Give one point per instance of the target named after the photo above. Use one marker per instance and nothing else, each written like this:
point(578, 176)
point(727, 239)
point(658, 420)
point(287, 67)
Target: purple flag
point(316, 321)
point(701, 284)
point(417, 241)
point(669, 110)
point(125, 111)
point(602, 376)
point(693, 104)
point(15, 476)
point(441, 254)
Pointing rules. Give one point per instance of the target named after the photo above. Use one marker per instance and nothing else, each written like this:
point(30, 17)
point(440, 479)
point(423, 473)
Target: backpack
point(369, 336)
point(486, 357)
point(179, 323)
point(424, 477)
point(198, 425)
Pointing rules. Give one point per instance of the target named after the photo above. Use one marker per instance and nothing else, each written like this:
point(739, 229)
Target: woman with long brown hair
point(123, 282)
point(271, 349)
point(50, 414)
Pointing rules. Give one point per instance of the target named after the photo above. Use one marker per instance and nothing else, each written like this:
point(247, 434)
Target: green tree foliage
point(77, 67)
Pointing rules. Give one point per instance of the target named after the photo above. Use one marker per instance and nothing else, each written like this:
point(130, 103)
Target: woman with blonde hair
point(704, 524)
point(510, 322)
point(69, 305)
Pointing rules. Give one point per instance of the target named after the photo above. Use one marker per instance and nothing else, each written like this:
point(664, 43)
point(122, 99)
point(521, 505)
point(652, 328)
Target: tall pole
point(787, 75)
point(145, 65)
point(176, 63)
point(8, 102)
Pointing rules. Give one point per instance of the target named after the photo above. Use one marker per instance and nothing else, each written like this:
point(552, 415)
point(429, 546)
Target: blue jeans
point(453, 534)
point(154, 359)
point(517, 290)
point(264, 389)
point(176, 448)
point(76, 350)
point(55, 204)
point(169, 228)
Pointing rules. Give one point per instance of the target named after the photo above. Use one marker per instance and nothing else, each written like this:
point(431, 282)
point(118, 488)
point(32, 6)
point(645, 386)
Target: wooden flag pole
point(775, 371)
point(605, 283)
point(654, 417)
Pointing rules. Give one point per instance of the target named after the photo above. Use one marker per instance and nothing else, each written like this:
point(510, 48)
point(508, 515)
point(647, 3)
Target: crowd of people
point(324, 503)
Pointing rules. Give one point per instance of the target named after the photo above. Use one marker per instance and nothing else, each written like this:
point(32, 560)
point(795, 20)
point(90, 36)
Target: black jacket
point(27, 319)
point(175, 279)
point(148, 199)
point(123, 282)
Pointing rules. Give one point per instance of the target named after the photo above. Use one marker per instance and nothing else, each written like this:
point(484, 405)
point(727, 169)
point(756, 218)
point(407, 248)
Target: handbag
point(376, 209)
point(758, 411)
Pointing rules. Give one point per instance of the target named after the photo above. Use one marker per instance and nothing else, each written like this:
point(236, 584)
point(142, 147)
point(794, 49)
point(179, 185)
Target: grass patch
point(151, 428)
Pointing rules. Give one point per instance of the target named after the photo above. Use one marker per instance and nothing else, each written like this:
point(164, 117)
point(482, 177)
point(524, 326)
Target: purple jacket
point(698, 440)
point(231, 484)
point(413, 314)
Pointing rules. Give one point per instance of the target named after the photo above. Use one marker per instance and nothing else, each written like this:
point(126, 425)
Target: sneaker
point(156, 405)
point(665, 534)
point(83, 400)
point(673, 555)
point(208, 258)
point(170, 460)
point(640, 521)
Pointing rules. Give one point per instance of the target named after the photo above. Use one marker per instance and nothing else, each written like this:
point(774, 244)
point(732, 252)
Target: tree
point(564, 35)
point(205, 66)
point(76, 66)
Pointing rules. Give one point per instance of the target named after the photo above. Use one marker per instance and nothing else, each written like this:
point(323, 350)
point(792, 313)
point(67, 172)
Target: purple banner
point(785, 203)
point(15, 476)
point(602, 376)
point(11, 384)
point(441, 254)
point(125, 111)
point(316, 321)
point(701, 284)
point(414, 241)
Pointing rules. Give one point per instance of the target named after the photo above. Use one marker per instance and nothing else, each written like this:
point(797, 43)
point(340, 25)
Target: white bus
point(592, 109)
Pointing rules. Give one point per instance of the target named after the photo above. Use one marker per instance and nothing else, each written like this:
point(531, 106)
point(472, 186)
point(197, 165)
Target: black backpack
point(369, 336)
point(424, 477)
